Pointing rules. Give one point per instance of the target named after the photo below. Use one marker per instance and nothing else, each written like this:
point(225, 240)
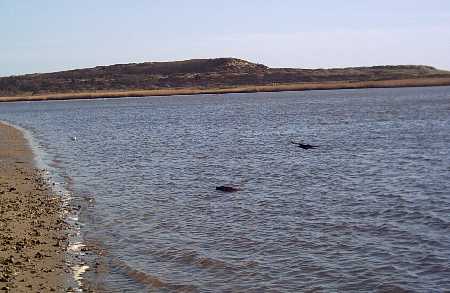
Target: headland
point(208, 76)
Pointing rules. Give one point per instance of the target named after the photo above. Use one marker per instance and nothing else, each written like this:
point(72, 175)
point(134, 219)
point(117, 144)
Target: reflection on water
point(367, 210)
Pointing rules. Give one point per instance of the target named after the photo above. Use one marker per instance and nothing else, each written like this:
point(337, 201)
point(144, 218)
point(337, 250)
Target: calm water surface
point(369, 210)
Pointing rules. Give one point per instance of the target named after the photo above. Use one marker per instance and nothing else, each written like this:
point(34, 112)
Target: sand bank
point(416, 82)
point(33, 236)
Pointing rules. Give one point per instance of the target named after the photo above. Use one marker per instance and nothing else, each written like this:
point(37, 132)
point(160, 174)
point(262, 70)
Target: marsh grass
point(416, 82)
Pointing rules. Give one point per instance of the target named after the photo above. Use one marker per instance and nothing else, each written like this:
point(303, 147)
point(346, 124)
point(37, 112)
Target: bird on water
point(304, 146)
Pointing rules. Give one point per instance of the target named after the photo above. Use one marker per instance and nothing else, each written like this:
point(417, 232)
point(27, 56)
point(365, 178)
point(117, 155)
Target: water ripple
point(369, 210)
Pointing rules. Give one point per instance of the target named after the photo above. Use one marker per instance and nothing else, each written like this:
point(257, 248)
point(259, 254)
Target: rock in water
point(227, 188)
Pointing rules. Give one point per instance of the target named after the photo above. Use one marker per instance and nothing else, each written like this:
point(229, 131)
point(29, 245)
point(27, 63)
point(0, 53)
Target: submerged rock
point(227, 188)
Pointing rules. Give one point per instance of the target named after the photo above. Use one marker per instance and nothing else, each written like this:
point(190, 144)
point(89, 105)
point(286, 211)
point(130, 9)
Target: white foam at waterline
point(73, 218)
point(79, 271)
point(76, 247)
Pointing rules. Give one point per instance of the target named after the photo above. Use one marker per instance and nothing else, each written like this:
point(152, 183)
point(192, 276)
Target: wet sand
point(33, 240)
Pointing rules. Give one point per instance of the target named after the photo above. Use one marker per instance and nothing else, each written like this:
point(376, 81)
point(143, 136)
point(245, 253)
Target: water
point(369, 210)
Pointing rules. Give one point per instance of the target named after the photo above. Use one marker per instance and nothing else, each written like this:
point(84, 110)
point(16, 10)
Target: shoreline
point(418, 82)
point(33, 231)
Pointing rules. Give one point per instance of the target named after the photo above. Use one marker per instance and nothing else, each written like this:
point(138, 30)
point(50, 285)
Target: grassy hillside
point(199, 74)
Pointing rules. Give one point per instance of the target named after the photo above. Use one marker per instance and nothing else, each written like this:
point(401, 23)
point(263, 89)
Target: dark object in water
point(227, 188)
point(304, 146)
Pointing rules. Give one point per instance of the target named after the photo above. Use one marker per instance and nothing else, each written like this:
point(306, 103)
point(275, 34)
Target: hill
point(201, 74)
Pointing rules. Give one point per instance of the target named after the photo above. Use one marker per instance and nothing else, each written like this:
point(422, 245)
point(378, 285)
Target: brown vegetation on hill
point(202, 75)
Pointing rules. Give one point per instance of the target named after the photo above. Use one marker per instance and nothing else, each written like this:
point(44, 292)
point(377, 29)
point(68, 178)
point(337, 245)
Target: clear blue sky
point(46, 35)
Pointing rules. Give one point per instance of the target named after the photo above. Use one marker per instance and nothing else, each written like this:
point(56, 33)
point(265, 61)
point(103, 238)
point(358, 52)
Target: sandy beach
point(32, 231)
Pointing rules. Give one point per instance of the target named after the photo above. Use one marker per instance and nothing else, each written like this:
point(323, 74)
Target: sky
point(54, 35)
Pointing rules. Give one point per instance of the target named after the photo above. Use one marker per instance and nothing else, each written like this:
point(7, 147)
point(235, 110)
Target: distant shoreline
point(416, 82)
